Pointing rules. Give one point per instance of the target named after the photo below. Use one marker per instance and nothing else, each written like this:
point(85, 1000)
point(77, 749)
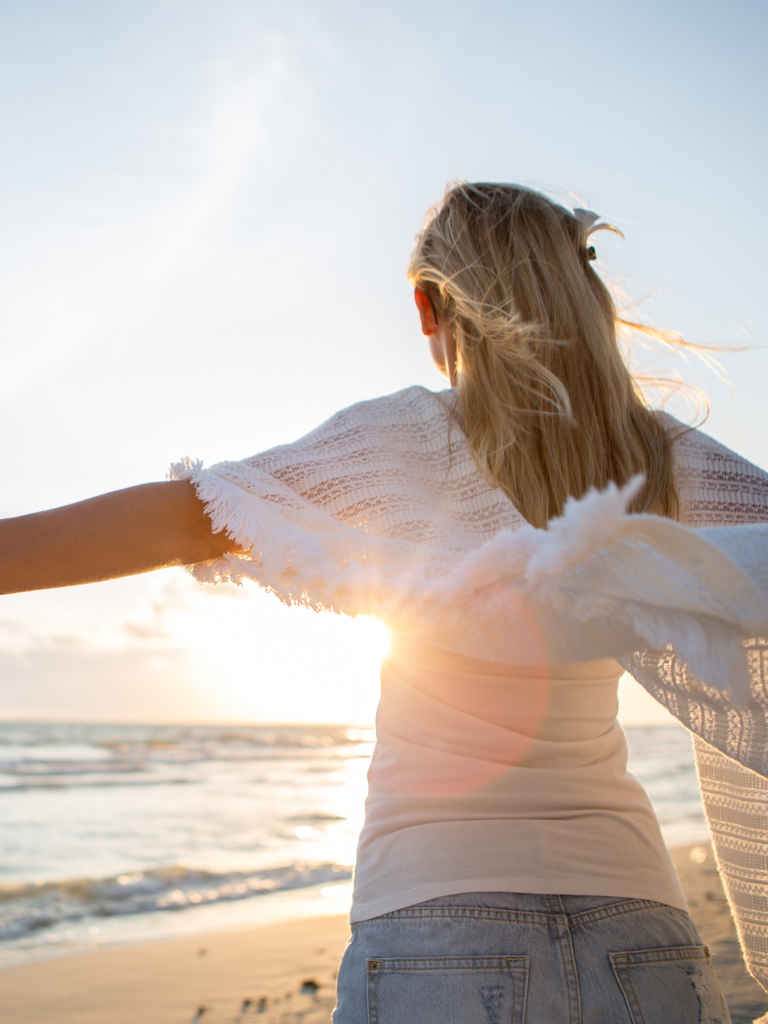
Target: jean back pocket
point(677, 983)
point(448, 990)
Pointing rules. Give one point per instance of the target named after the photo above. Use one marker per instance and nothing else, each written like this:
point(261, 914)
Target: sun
point(261, 661)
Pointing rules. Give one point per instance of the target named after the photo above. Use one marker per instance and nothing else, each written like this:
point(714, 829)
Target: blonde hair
point(548, 403)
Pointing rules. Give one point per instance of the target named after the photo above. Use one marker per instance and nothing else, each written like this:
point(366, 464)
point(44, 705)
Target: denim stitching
point(634, 996)
point(521, 916)
point(515, 965)
point(614, 910)
point(569, 965)
point(684, 953)
point(481, 913)
point(392, 964)
point(623, 961)
point(373, 1007)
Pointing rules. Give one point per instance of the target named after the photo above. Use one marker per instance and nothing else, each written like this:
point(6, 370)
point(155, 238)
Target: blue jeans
point(515, 958)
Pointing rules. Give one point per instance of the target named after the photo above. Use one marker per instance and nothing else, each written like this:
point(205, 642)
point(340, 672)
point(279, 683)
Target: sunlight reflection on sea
point(112, 833)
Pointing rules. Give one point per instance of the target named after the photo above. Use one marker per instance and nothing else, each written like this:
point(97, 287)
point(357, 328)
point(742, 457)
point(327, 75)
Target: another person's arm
point(118, 534)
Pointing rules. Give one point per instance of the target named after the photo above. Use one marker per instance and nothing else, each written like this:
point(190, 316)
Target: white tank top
point(490, 777)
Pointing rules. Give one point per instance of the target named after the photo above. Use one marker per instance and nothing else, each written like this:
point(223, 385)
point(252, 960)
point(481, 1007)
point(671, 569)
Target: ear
point(426, 310)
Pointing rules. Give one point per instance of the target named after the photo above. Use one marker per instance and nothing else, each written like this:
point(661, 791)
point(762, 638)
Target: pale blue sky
point(206, 214)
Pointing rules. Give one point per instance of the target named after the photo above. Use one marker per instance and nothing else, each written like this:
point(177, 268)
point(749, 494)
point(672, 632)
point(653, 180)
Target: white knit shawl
point(382, 511)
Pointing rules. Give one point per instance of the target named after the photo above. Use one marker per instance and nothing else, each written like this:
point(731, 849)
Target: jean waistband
point(534, 907)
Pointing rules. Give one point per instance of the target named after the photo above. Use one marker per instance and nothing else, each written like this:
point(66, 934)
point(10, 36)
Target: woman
point(509, 868)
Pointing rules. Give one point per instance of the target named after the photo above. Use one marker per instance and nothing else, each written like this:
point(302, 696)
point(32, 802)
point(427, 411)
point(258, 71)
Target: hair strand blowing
point(549, 406)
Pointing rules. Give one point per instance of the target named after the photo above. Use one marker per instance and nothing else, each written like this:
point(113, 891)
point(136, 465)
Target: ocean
point(113, 833)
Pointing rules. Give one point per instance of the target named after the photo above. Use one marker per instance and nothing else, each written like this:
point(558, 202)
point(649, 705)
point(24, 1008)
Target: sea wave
point(85, 782)
point(29, 908)
point(255, 809)
point(98, 748)
point(85, 756)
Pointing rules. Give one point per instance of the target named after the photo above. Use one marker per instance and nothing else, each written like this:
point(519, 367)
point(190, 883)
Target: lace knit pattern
point(382, 511)
point(382, 493)
point(718, 488)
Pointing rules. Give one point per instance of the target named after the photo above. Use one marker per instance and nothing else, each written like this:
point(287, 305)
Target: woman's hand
point(118, 534)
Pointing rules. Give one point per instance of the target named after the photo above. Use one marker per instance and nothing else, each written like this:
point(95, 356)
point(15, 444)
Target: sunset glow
point(167, 170)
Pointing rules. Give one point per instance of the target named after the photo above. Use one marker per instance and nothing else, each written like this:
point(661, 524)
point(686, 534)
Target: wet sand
point(281, 973)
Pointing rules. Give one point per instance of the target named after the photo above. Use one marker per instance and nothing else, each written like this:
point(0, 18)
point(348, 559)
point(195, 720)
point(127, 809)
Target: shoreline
point(224, 976)
point(302, 903)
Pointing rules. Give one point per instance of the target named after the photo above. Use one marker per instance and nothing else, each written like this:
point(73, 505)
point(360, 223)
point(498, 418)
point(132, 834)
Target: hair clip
point(591, 254)
point(587, 221)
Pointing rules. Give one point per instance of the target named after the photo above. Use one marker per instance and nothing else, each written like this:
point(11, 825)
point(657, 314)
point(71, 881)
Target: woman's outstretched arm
point(118, 534)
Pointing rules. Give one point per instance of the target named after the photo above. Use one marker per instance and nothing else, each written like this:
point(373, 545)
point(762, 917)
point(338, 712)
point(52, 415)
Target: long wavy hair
point(548, 403)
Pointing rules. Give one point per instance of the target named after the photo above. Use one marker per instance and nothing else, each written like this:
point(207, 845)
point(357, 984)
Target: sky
point(206, 211)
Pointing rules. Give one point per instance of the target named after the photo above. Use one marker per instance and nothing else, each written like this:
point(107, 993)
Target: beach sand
point(709, 909)
point(204, 978)
point(259, 973)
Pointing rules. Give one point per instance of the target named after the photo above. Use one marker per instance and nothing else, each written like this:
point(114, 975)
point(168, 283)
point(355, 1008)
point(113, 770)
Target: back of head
point(549, 406)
